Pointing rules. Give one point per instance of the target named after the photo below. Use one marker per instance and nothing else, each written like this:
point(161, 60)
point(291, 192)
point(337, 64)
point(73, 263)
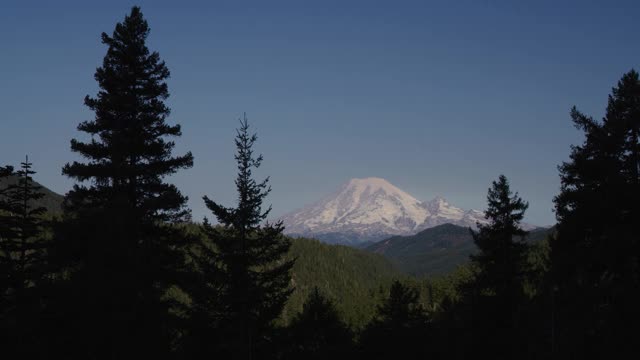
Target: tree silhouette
point(244, 261)
point(318, 332)
point(400, 328)
point(120, 243)
point(6, 232)
point(495, 294)
point(502, 256)
point(596, 254)
point(22, 259)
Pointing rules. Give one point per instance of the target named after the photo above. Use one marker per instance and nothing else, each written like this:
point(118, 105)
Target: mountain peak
point(438, 200)
point(373, 182)
point(369, 180)
point(370, 209)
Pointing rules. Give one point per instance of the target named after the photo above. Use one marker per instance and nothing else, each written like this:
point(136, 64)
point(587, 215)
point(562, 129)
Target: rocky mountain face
point(371, 209)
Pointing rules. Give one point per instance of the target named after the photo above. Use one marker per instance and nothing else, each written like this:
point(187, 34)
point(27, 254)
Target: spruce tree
point(7, 233)
point(22, 258)
point(244, 263)
point(401, 327)
point(596, 253)
point(496, 292)
point(318, 332)
point(502, 256)
point(120, 245)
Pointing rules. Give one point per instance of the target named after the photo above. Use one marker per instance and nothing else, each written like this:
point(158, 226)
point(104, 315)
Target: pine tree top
point(129, 152)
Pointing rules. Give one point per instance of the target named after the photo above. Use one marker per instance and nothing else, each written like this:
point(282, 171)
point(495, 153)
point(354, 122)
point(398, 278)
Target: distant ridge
point(437, 250)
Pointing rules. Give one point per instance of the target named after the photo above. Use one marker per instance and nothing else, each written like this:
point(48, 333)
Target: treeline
point(122, 273)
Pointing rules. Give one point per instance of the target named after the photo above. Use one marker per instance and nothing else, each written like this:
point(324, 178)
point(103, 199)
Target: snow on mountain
point(371, 209)
point(444, 213)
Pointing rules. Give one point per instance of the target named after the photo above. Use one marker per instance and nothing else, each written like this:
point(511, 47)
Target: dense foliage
point(23, 262)
point(116, 248)
point(438, 250)
point(317, 331)
point(245, 279)
point(434, 251)
point(352, 278)
point(49, 200)
point(496, 292)
point(596, 254)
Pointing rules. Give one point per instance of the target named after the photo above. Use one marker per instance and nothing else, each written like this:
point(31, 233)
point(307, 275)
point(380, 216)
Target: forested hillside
point(351, 278)
point(436, 251)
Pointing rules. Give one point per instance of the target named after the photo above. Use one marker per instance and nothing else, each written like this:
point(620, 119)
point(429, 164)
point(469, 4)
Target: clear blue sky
point(437, 97)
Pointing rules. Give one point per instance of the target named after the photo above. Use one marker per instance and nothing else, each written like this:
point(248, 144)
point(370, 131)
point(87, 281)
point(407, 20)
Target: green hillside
point(434, 251)
point(352, 278)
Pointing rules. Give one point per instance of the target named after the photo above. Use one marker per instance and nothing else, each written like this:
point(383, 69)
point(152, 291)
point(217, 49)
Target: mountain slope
point(372, 209)
point(350, 277)
point(362, 209)
point(50, 201)
point(435, 251)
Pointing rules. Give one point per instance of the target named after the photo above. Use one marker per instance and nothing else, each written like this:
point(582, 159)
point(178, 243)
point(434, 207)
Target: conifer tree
point(121, 244)
point(22, 258)
point(402, 306)
point(502, 257)
point(318, 332)
point(244, 261)
point(495, 294)
point(596, 253)
point(400, 328)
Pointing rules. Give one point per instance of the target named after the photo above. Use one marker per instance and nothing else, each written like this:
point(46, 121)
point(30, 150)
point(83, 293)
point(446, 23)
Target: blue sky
point(438, 97)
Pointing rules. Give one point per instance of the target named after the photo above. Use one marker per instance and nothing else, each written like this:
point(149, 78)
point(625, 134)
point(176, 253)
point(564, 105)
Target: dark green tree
point(495, 295)
point(400, 328)
point(22, 258)
point(120, 245)
point(243, 260)
point(501, 261)
point(318, 332)
point(596, 253)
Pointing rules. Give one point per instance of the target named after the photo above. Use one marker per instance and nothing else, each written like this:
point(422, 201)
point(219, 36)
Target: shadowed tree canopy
point(400, 328)
point(244, 263)
point(22, 257)
point(21, 246)
point(502, 256)
point(318, 332)
point(118, 246)
point(493, 299)
point(22, 260)
point(596, 254)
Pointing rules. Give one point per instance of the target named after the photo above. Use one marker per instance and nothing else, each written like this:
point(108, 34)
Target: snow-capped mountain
point(372, 209)
point(441, 212)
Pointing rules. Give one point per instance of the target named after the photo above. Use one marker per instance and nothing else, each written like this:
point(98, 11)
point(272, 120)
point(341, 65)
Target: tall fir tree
point(318, 332)
point(401, 327)
point(502, 256)
point(496, 292)
point(22, 259)
point(120, 245)
point(596, 253)
point(6, 233)
point(244, 262)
